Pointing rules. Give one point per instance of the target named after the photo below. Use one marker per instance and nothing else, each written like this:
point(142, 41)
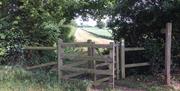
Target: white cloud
point(89, 22)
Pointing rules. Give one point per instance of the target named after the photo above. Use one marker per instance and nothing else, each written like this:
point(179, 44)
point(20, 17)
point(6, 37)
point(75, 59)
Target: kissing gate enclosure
point(90, 65)
point(101, 68)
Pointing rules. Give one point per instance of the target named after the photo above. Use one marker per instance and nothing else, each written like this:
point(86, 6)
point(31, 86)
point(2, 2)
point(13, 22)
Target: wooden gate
point(102, 67)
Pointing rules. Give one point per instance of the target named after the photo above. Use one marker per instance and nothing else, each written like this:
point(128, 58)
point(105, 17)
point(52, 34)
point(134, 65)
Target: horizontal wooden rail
point(85, 44)
point(137, 65)
point(87, 58)
point(102, 64)
point(100, 72)
point(98, 82)
point(72, 75)
point(77, 63)
point(102, 46)
point(40, 48)
point(134, 49)
point(41, 65)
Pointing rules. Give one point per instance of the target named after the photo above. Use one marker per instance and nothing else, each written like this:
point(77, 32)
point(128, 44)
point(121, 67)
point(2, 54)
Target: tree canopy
point(41, 22)
point(141, 23)
point(138, 20)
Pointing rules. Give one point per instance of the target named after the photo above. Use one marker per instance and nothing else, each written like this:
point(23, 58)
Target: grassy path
point(83, 36)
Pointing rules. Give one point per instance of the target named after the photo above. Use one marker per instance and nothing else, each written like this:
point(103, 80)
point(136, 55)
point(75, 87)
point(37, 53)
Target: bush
point(100, 24)
point(67, 33)
point(155, 54)
point(17, 79)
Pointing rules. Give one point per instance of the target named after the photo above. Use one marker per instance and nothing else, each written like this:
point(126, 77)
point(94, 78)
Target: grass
point(97, 31)
point(149, 85)
point(17, 79)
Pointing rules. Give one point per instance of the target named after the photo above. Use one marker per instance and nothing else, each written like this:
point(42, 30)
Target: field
point(105, 33)
point(82, 36)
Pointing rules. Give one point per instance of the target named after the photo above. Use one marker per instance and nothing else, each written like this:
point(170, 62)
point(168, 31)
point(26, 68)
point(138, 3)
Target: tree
point(141, 23)
point(40, 22)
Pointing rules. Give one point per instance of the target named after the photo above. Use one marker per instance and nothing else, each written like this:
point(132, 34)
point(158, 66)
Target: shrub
point(100, 24)
point(18, 79)
point(155, 54)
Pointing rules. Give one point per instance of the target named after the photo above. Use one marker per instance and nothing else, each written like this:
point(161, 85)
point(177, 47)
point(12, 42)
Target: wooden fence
point(98, 62)
point(123, 66)
point(102, 67)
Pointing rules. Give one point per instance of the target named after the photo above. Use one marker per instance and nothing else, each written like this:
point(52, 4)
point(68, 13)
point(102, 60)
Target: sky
point(90, 21)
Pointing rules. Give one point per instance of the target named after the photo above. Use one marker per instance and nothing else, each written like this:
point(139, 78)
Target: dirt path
point(83, 36)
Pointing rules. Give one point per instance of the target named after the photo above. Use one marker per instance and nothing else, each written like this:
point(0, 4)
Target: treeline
point(42, 22)
point(38, 23)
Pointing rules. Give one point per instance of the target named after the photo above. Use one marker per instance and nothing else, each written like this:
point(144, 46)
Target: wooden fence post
point(112, 67)
point(60, 61)
point(89, 48)
point(117, 60)
point(168, 53)
point(123, 58)
point(94, 61)
point(90, 63)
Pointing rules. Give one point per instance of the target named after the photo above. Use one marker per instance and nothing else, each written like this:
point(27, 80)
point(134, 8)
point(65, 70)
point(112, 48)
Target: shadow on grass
point(145, 83)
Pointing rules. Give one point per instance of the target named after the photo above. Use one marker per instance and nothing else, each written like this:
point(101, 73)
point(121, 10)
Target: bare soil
point(83, 36)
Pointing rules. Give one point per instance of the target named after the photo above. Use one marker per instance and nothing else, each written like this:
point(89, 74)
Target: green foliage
point(155, 55)
point(17, 79)
point(100, 24)
point(67, 33)
point(41, 22)
point(141, 23)
point(33, 23)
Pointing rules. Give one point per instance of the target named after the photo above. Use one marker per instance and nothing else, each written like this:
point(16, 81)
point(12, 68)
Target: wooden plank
point(94, 62)
point(137, 65)
point(117, 61)
point(90, 65)
point(77, 63)
point(113, 66)
point(41, 65)
point(98, 82)
point(72, 75)
point(75, 69)
point(134, 49)
point(60, 61)
point(102, 46)
point(122, 58)
point(102, 64)
point(40, 48)
point(86, 44)
point(89, 48)
point(111, 56)
point(168, 53)
point(88, 58)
